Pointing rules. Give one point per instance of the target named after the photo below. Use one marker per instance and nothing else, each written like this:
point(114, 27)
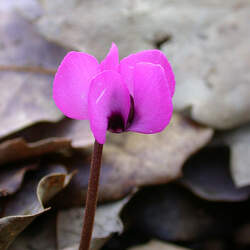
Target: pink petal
point(108, 95)
point(152, 101)
point(128, 63)
point(71, 84)
point(111, 62)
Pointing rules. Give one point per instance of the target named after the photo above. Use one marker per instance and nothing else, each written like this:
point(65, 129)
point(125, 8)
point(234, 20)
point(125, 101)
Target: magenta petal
point(108, 95)
point(152, 99)
point(152, 56)
point(111, 62)
point(71, 84)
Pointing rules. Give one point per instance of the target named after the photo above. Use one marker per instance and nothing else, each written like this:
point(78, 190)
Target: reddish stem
point(29, 69)
point(92, 194)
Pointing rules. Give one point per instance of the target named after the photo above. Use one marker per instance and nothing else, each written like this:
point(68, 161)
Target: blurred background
point(185, 188)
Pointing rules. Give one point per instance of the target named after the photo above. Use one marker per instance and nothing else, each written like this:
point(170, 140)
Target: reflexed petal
point(71, 84)
point(111, 61)
point(152, 99)
point(128, 63)
point(108, 95)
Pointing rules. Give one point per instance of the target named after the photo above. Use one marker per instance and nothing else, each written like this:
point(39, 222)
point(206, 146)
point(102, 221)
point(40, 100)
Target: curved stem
point(92, 194)
point(28, 69)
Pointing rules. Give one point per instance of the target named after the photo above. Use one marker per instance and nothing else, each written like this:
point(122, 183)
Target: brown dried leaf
point(242, 235)
point(29, 202)
point(239, 142)
point(172, 213)
point(131, 160)
point(26, 201)
point(207, 174)
point(107, 222)
point(11, 179)
point(11, 226)
point(18, 149)
point(158, 245)
point(40, 235)
point(209, 92)
point(77, 131)
point(144, 23)
point(157, 158)
point(26, 61)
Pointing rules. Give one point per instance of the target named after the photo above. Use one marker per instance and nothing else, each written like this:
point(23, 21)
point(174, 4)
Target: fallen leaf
point(150, 159)
point(158, 245)
point(11, 226)
point(131, 160)
point(172, 213)
point(239, 142)
point(40, 235)
point(29, 202)
point(145, 24)
point(107, 222)
point(30, 7)
point(207, 174)
point(26, 200)
point(242, 235)
point(209, 91)
point(30, 99)
point(217, 244)
point(11, 179)
point(77, 131)
point(18, 149)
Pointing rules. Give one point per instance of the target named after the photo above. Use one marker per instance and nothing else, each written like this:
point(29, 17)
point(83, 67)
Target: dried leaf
point(18, 149)
point(207, 174)
point(144, 160)
point(11, 226)
point(157, 245)
point(145, 24)
point(209, 92)
point(29, 202)
point(30, 99)
point(30, 7)
point(77, 131)
point(174, 214)
point(131, 160)
point(242, 235)
point(107, 222)
point(11, 179)
point(239, 142)
point(40, 235)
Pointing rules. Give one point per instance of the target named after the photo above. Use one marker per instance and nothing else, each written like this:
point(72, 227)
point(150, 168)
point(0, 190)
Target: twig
point(28, 69)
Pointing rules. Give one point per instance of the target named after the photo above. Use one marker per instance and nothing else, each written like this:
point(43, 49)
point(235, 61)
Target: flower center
point(116, 123)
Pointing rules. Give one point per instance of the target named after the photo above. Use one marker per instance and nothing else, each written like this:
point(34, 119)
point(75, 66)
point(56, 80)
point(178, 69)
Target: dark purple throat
point(116, 123)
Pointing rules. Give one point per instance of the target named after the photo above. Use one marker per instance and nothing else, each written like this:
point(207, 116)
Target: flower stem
point(28, 69)
point(92, 194)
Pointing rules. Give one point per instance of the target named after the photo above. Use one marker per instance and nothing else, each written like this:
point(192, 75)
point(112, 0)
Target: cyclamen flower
point(133, 95)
